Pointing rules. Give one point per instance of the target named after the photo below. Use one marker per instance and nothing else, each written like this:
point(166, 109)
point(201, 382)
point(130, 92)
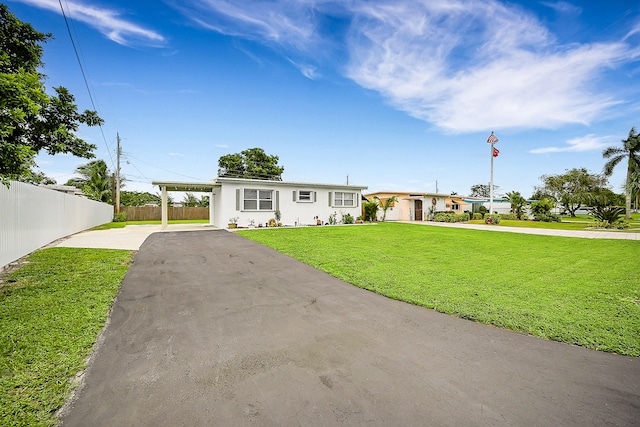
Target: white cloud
point(309, 71)
point(462, 65)
point(107, 21)
point(563, 7)
point(469, 65)
point(287, 22)
point(589, 142)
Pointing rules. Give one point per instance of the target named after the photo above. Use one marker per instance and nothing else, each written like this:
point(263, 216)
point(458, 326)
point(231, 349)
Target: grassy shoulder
point(578, 291)
point(51, 311)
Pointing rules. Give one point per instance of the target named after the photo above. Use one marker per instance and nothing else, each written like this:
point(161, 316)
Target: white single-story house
point(255, 201)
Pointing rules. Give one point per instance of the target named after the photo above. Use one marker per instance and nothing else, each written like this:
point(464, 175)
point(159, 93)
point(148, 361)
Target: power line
point(84, 77)
point(166, 170)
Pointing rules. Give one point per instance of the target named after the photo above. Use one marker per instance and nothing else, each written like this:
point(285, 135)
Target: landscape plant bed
point(52, 309)
point(579, 291)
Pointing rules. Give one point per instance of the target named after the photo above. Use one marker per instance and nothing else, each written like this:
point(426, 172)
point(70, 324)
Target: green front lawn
point(51, 311)
point(579, 291)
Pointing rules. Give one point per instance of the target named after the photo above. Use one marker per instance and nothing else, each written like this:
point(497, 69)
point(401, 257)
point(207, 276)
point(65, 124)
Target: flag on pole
point(492, 139)
point(495, 152)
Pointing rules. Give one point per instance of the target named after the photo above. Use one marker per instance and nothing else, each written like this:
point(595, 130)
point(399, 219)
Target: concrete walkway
point(211, 329)
point(585, 234)
point(130, 237)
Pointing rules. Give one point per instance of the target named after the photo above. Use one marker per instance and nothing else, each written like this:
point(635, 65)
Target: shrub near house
point(451, 217)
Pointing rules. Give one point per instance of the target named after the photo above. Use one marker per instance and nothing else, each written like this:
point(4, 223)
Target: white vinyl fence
point(31, 217)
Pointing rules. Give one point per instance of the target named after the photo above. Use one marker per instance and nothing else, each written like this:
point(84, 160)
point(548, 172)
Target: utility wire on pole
point(118, 152)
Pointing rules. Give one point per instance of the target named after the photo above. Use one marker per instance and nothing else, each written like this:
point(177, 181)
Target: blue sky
point(396, 94)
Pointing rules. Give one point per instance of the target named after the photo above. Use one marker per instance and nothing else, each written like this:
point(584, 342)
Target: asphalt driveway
point(211, 329)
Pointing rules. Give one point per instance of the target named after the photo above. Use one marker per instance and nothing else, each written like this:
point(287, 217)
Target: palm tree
point(631, 150)
point(95, 182)
point(633, 186)
point(386, 205)
point(517, 203)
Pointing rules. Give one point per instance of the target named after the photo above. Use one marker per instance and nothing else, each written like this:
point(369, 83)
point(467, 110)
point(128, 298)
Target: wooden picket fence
point(154, 213)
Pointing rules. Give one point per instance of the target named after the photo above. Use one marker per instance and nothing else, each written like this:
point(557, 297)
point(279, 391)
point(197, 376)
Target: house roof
point(221, 180)
point(411, 195)
point(186, 186)
point(217, 183)
point(457, 200)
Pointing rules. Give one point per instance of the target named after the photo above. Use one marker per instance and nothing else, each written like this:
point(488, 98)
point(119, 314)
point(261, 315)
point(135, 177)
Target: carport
point(198, 187)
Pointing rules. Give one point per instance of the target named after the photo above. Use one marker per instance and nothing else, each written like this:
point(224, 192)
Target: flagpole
point(493, 153)
point(491, 181)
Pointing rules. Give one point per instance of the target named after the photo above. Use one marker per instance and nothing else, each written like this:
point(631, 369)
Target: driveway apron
point(211, 329)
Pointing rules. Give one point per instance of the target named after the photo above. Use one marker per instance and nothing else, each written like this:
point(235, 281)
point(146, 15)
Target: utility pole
point(118, 176)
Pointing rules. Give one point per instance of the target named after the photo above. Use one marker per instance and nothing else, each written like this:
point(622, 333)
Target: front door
point(418, 210)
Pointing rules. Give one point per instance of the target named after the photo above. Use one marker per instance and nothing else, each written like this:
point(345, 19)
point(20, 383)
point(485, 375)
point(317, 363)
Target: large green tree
point(483, 190)
point(573, 189)
point(139, 198)
point(32, 121)
point(252, 163)
point(630, 150)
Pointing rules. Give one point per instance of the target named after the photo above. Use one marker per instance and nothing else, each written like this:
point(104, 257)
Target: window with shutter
point(257, 200)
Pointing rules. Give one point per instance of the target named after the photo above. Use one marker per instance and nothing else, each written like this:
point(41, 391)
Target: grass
point(51, 311)
point(579, 291)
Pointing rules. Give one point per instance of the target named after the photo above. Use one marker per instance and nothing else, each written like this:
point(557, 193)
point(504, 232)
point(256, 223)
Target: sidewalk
point(542, 231)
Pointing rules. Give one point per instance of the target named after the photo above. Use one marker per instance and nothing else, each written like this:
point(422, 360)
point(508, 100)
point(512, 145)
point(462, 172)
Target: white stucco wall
point(228, 205)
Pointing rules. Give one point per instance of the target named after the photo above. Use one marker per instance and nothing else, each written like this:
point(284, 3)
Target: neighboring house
point(256, 201)
point(457, 205)
point(501, 206)
point(410, 206)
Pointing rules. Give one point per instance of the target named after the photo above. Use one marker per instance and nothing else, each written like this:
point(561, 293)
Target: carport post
point(164, 207)
point(211, 206)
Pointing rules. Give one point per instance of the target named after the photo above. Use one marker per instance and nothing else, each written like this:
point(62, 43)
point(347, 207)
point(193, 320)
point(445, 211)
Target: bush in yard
point(620, 224)
point(347, 218)
point(541, 210)
point(608, 216)
point(120, 217)
point(509, 216)
point(548, 217)
point(450, 217)
point(477, 216)
point(370, 210)
point(492, 219)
